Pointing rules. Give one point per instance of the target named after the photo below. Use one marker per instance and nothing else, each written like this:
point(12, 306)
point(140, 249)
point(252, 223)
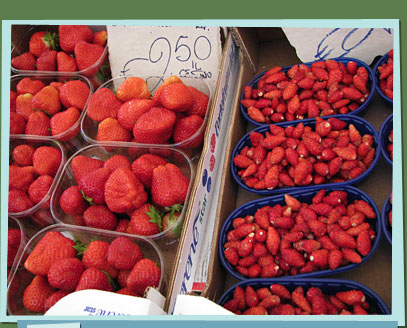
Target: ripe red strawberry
point(157, 93)
point(93, 185)
point(20, 177)
point(154, 126)
point(111, 130)
point(144, 166)
point(72, 201)
point(144, 221)
point(54, 298)
point(256, 114)
point(342, 239)
point(363, 207)
point(133, 88)
point(299, 299)
point(186, 129)
point(38, 124)
point(74, 93)
point(200, 103)
point(292, 257)
point(52, 247)
point(47, 61)
point(335, 259)
point(46, 160)
point(131, 110)
point(177, 97)
point(123, 253)
point(66, 63)
point(351, 297)
point(39, 188)
point(64, 123)
point(95, 256)
point(256, 310)
point(47, 99)
point(169, 185)
point(70, 35)
point(18, 201)
point(25, 61)
point(13, 97)
point(100, 38)
point(124, 192)
point(82, 165)
point(99, 216)
point(17, 123)
point(93, 278)
point(127, 291)
point(251, 297)
point(117, 161)
point(87, 55)
point(232, 256)
point(103, 104)
point(273, 240)
point(145, 273)
point(24, 105)
point(65, 273)
point(36, 294)
point(364, 243)
point(122, 225)
point(27, 85)
point(56, 85)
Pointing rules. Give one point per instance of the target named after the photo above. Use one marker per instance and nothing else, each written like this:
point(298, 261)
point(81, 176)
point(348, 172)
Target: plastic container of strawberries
point(85, 235)
point(21, 45)
point(359, 111)
point(13, 223)
point(47, 79)
point(40, 212)
point(384, 132)
point(363, 126)
point(174, 156)
point(327, 286)
point(89, 127)
point(380, 62)
point(384, 220)
point(306, 196)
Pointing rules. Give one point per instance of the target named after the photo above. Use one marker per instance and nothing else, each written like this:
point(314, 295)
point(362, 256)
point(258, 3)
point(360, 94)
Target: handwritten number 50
point(200, 51)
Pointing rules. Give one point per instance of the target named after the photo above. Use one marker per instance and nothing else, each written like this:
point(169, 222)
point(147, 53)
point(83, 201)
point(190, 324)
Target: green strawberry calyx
point(155, 216)
point(51, 40)
point(109, 278)
point(88, 199)
point(80, 247)
point(176, 208)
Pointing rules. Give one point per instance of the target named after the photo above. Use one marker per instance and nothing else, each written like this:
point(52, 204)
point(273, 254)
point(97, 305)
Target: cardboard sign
point(185, 51)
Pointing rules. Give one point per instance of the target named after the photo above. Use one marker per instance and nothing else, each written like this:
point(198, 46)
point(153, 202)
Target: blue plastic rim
point(304, 196)
point(359, 111)
point(363, 126)
point(380, 62)
point(327, 286)
point(384, 132)
point(384, 221)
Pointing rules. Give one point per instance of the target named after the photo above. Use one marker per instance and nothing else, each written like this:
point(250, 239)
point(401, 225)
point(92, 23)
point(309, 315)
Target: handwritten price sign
point(185, 51)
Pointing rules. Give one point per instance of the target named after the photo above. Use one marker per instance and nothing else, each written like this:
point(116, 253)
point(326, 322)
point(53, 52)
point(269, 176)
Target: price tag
point(185, 51)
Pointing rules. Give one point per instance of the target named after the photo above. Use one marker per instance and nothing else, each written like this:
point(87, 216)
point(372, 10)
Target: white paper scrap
point(198, 305)
point(323, 43)
point(185, 51)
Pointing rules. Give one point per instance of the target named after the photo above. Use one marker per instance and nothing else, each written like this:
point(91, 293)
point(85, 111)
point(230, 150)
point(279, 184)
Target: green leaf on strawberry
point(51, 40)
point(109, 278)
point(155, 216)
point(80, 247)
point(88, 199)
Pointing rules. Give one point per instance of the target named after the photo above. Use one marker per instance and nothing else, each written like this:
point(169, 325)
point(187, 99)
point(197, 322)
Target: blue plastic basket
point(384, 132)
point(363, 126)
point(304, 196)
point(387, 230)
point(327, 286)
point(359, 111)
point(380, 62)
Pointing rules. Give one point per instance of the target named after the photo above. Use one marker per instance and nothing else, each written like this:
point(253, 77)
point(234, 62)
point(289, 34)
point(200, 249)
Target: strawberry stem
point(155, 216)
point(80, 247)
point(88, 199)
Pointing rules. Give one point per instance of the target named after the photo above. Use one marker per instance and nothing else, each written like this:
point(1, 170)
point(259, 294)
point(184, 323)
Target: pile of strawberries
point(173, 114)
point(61, 266)
point(323, 88)
point(51, 109)
point(333, 151)
point(386, 76)
point(389, 147)
point(144, 197)
point(278, 300)
point(31, 174)
point(296, 238)
point(74, 48)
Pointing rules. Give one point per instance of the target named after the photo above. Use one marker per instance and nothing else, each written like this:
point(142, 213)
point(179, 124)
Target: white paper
point(197, 305)
point(323, 43)
point(185, 51)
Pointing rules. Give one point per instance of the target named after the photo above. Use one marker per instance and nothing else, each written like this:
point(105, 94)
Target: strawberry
point(87, 55)
point(47, 99)
point(82, 165)
point(24, 105)
point(123, 253)
point(145, 273)
point(93, 278)
point(124, 192)
point(57, 85)
point(363, 207)
point(93, 184)
point(111, 130)
point(364, 243)
point(351, 297)
point(20, 177)
point(127, 291)
point(251, 297)
point(27, 85)
point(231, 256)
point(122, 225)
point(351, 255)
point(52, 247)
point(70, 35)
point(63, 122)
point(36, 294)
point(122, 277)
point(186, 129)
point(17, 123)
point(292, 257)
point(177, 97)
point(46, 160)
point(133, 88)
point(95, 256)
point(256, 310)
point(131, 110)
point(47, 61)
point(39, 188)
point(154, 126)
point(200, 103)
point(13, 97)
point(38, 124)
point(342, 239)
point(335, 259)
point(18, 201)
point(117, 161)
point(145, 221)
point(66, 63)
point(256, 114)
point(103, 104)
point(54, 298)
point(299, 299)
point(99, 216)
point(100, 38)
point(65, 273)
point(169, 185)
point(25, 61)
point(144, 166)
point(72, 202)
point(74, 93)
point(170, 218)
